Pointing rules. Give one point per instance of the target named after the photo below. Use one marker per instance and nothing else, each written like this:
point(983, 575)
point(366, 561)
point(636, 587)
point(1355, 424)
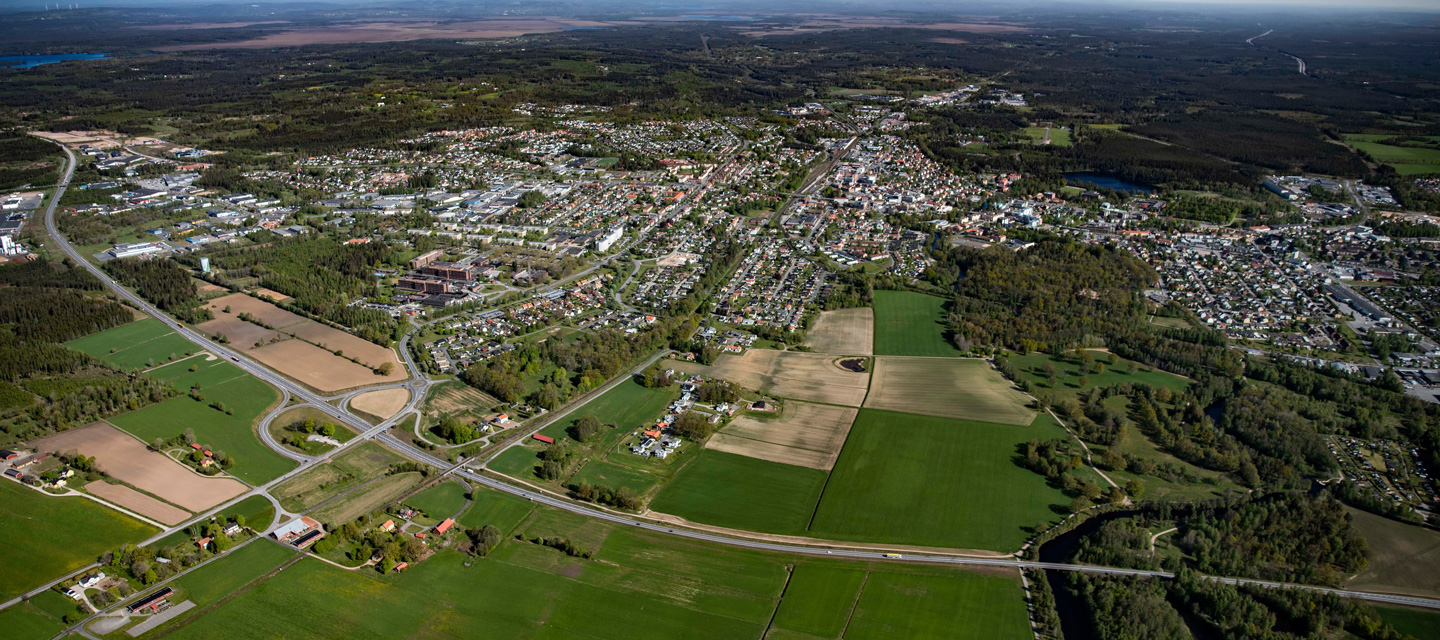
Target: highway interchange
point(468, 469)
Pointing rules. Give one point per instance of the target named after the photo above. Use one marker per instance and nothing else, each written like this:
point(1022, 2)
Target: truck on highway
point(893, 555)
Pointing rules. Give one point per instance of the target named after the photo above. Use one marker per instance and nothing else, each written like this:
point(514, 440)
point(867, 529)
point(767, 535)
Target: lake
point(1107, 181)
point(26, 62)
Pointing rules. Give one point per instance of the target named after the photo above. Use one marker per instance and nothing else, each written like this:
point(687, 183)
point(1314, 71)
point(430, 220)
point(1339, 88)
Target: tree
point(157, 444)
point(531, 199)
point(386, 368)
point(585, 428)
point(1135, 488)
point(693, 426)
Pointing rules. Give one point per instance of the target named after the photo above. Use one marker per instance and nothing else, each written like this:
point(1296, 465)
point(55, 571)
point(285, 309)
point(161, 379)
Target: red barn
point(544, 439)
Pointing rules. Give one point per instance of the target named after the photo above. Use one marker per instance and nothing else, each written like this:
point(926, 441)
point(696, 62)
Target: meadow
point(25, 621)
point(818, 599)
point(910, 324)
point(47, 537)
point(1068, 372)
point(372, 496)
point(1405, 160)
point(245, 397)
point(234, 570)
point(728, 490)
point(922, 480)
point(441, 501)
point(327, 480)
point(141, 344)
point(500, 510)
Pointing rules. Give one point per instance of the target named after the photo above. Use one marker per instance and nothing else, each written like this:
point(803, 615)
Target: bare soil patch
point(452, 399)
point(808, 435)
point(381, 404)
point(399, 31)
point(240, 333)
point(844, 332)
point(138, 502)
point(352, 346)
point(260, 309)
point(314, 366)
point(122, 456)
point(963, 388)
point(811, 377)
point(273, 295)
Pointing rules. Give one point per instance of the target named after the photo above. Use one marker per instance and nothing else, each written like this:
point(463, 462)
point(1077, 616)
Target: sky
point(959, 6)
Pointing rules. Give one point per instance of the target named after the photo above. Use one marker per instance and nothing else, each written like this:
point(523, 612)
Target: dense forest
point(164, 283)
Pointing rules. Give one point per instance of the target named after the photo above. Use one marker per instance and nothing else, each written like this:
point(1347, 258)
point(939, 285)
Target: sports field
point(964, 388)
point(440, 501)
point(247, 398)
point(1405, 160)
point(47, 536)
point(910, 324)
point(923, 480)
point(141, 344)
point(846, 332)
point(727, 490)
point(812, 377)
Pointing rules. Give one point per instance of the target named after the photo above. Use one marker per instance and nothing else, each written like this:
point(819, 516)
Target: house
point(545, 439)
point(231, 529)
point(204, 542)
point(295, 529)
point(401, 567)
point(92, 580)
point(441, 528)
point(388, 526)
point(152, 602)
point(8, 455)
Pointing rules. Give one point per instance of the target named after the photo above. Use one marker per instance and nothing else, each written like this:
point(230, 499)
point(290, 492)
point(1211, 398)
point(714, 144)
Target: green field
point(951, 605)
point(325, 481)
point(440, 501)
point(910, 324)
point(1421, 625)
point(363, 500)
point(1058, 137)
point(500, 510)
point(1068, 372)
point(729, 490)
point(247, 398)
point(1404, 558)
point(25, 621)
point(258, 512)
point(921, 480)
point(47, 537)
point(600, 472)
point(223, 576)
point(818, 599)
point(138, 345)
point(1405, 160)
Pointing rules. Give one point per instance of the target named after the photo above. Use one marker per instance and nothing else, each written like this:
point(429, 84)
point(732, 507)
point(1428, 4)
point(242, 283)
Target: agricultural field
point(1032, 367)
point(137, 502)
point(240, 567)
point(609, 474)
point(967, 389)
point(26, 621)
point(130, 461)
point(245, 399)
point(844, 332)
point(1417, 623)
point(910, 324)
point(939, 482)
point(367, 498)
point(381, 404)
point(1404, 558)
point(47, 537)
point(812, 377)
point(930, 605)
point(327, 480)
point(500, 510)
point(819, 598)
point(257, 511)
point(440, 501)
point(728, 490)
point(804, 434)
point(139, 345)
point(1406, 160)
point(457, 399)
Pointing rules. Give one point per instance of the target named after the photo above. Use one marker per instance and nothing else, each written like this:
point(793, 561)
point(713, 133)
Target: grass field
point(932, 605)
point(324, 481)
point(1405, 160)
point(910, 324)
point(1068, 373)
point(922, 480)
point(1422, 625)
point(729, 490)
point(1058, 137)
point(141, 344)
point(47, 537)
point(818, 599)
point(368, 498)
point(968, 389)
point(343, 433)
point(1404, 558)
point(1140, 446)
point(500, 510)
point(246, 397)
point(440, 501)
point(25, 621)
point(225, 575)
point(600, 472)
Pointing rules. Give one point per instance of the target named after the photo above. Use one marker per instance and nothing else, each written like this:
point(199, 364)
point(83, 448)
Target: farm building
point(151, 602)
point(441, 528)
point(299, 532)
point(545, 439)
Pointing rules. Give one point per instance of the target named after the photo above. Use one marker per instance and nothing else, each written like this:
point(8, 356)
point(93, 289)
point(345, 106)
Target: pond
point(1107, 182)
point(26, 62)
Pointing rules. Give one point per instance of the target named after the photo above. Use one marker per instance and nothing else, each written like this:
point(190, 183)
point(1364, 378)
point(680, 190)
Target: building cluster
point(1389, 470)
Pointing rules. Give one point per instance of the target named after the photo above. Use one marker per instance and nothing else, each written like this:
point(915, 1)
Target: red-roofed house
point(545, 439)
point(441, 528)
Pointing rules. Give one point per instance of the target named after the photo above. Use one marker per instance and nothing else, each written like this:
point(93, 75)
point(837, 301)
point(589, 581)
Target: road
point(378, 432)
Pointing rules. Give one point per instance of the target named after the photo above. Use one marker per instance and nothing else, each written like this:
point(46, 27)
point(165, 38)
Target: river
point(26, 62)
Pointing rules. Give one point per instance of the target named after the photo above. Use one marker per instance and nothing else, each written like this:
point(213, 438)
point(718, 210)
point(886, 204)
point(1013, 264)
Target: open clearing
point(910, 324)
point(138, 345)
point(295, 354)
point(323, 481)
point(48, 536)
point(939, 482)
point(812, 377)
point(1068, 372)
point(845, 332)
point(1404, 558)
point(381, 404)
point(441, 501)
point(133, 463)
point(805, 434)
point(727, 490)
point(138, 502)
point(367, 498)
point(1404, 159)
point(456, 398)
point(962, 388)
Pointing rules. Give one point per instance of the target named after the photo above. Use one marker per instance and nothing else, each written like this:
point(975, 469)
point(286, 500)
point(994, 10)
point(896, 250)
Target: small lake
point(26, 62)
point(1107, 181)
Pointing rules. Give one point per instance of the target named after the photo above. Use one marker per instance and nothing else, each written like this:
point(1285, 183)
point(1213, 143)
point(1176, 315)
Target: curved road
point(368, 432)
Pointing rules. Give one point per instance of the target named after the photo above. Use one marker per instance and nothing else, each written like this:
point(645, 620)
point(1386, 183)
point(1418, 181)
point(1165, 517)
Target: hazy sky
point(751, 6)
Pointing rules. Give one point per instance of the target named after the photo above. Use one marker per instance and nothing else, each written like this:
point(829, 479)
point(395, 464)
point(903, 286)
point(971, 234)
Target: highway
point(378, 432)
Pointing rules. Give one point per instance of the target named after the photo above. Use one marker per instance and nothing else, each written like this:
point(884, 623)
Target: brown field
point(316, 367)
point(452, 399)
point(812, 377)
point(963, 388)
point(844, 332)
point(240, 333)
point(367, 498)
point(381, 404)
point(138, 502)
point(298, 358)
point(1404, 558)
point(122, 456)
point(399, 31)
point(304, 491)
point(273, 295)
point(808, 435)
point(98, 139)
